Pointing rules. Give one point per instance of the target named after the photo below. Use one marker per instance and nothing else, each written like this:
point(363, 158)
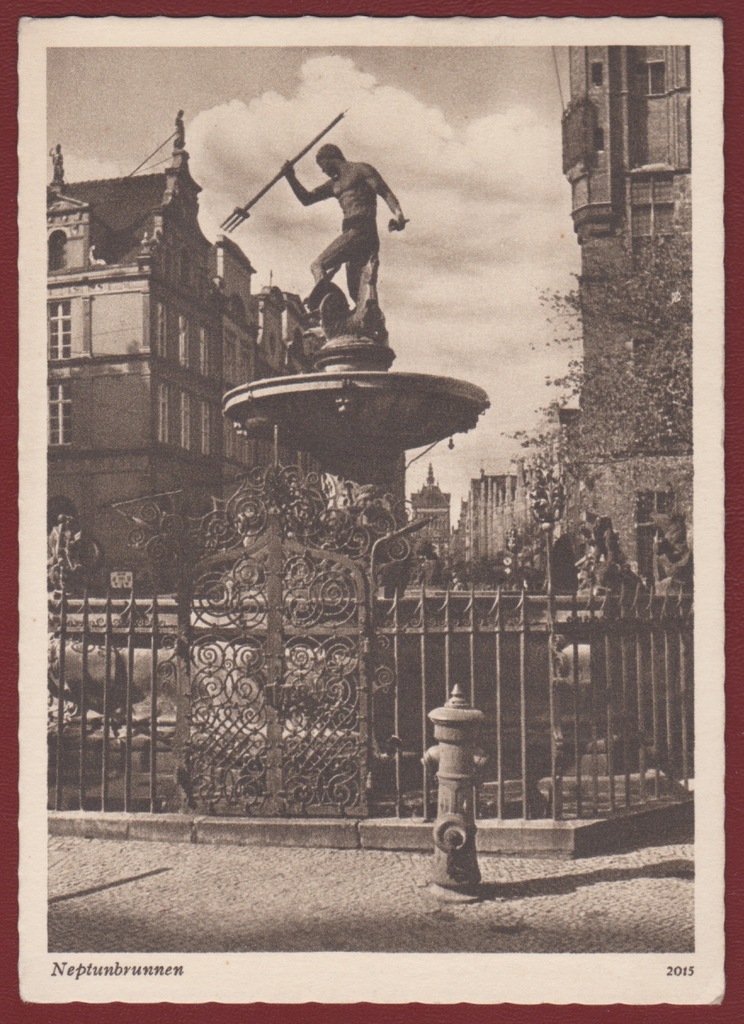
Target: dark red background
point(731, 11)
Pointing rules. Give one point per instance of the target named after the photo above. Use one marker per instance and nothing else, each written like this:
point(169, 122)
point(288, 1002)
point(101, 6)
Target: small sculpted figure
point(58, 164)
point(179, 141)
point(63, 550)
point(673, 556)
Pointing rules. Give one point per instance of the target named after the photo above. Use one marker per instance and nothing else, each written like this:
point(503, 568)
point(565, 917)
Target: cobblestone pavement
point(106, 895)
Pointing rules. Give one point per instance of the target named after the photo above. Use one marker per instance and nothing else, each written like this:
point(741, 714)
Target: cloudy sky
point(468, 138)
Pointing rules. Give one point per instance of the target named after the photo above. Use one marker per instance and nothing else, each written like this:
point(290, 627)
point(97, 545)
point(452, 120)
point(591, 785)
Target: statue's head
point(328, 158)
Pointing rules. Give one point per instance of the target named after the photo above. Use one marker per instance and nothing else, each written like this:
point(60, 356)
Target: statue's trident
point(240, 213)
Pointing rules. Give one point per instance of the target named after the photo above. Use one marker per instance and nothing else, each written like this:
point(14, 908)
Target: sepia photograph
point(378, 486)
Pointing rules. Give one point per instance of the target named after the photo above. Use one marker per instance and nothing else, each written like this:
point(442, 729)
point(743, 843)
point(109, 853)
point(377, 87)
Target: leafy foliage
point(634, 381)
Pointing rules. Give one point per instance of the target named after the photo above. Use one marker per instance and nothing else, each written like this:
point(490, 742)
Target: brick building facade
point(626, 154)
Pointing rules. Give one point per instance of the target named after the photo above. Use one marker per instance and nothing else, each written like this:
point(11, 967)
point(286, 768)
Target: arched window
point(57, 250)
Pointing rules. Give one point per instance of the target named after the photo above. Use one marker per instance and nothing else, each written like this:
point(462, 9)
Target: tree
point(634, 380)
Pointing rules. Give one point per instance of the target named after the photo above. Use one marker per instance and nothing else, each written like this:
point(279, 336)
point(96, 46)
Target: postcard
point(371, 406)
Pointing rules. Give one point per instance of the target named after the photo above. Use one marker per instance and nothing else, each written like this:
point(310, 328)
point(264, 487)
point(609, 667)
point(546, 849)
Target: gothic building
point(626, 154)
point(148, 325)
point(432, 504)
point(496, 505)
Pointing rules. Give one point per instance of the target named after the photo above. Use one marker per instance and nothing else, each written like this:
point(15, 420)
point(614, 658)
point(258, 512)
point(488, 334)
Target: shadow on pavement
point(106, 885)
point(560, 885)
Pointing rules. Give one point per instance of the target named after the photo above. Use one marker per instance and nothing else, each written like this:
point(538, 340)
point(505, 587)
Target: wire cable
point(154, 152)
point(558, 77)
point(151, 167)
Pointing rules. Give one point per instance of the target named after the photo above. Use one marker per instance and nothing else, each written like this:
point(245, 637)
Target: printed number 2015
point(680, 972)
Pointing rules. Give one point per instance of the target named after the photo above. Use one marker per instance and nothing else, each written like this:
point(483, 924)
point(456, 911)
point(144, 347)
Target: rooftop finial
point(430, 476)
point(179, 141)
point(58, 163)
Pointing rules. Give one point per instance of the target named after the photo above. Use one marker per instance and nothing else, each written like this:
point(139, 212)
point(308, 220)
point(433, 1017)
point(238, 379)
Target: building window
point(206, 424)
point(226, 356)
point(652, 206)
point(242, 361)
point(233, 357)
point(185, 421)
point(163, 413)
point(237, 360)
point(160, 343)
point(183, 341)
point(655, 78)
point(650, 504)
point(203, 351)
point(236, 308)
point(60, 414)
point(599, 144)
point(60, 330)
point(597, 72)
point(57, 250)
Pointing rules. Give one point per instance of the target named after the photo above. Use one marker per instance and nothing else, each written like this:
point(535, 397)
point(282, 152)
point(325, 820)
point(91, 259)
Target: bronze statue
point(356, 187)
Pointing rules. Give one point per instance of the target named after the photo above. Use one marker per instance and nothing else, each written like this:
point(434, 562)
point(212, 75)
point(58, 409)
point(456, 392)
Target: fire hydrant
point(455, 863)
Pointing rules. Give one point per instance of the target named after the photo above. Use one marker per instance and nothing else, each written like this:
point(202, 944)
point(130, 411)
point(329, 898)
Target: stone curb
point(511, 837)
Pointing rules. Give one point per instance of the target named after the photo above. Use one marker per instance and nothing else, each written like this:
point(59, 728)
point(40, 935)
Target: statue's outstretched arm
point(307, 198)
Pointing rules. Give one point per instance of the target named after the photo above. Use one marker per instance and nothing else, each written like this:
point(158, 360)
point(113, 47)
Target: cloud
point(489, 223)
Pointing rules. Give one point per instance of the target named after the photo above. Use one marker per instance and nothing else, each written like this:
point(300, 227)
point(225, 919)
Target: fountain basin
point(352, 412)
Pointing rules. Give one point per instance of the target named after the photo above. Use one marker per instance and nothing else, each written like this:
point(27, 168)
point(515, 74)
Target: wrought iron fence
point(278, 681)
point(112, 703)
point(587, 702)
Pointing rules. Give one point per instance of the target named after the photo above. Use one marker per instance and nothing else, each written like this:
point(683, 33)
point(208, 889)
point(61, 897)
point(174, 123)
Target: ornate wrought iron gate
point(278, 682)
point(275, 616)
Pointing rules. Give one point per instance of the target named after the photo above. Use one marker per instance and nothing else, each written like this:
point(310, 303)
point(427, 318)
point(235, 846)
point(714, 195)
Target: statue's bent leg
point(333, 257)
point(325, 266)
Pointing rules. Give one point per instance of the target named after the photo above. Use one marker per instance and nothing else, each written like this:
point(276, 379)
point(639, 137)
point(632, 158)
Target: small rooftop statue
point(58, 163)
point(179, 141)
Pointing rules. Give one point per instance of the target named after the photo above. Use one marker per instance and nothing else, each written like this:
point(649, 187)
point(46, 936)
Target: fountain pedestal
point(354, 415)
